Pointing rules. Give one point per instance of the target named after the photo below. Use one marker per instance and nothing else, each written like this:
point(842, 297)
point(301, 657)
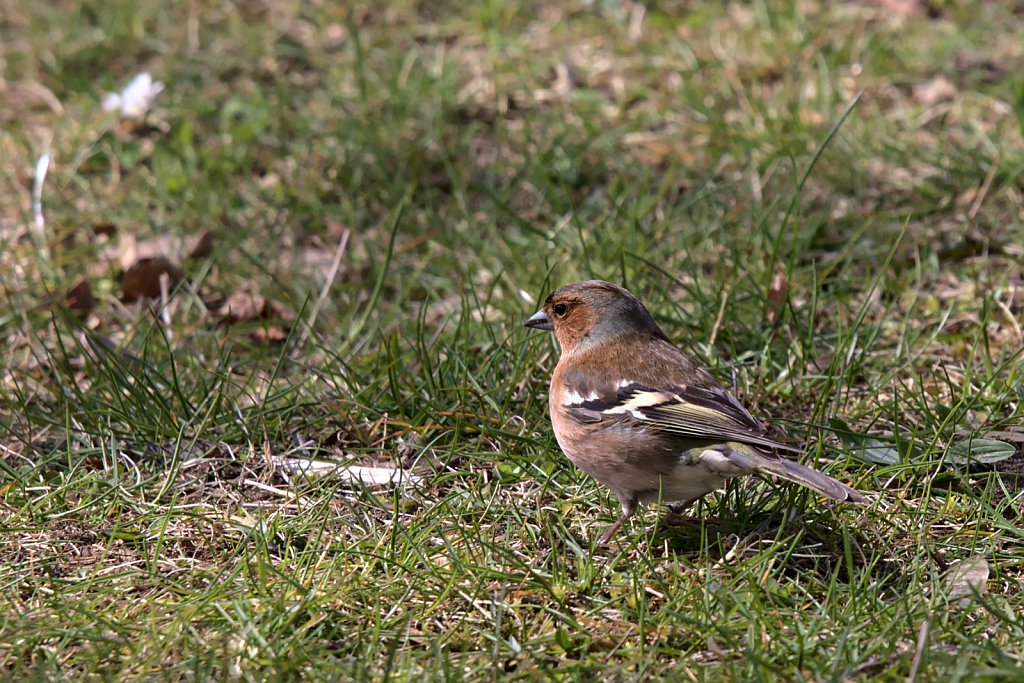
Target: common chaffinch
point(632, 411)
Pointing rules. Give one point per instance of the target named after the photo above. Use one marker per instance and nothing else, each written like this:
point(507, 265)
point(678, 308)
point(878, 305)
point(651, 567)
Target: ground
point(320, 243)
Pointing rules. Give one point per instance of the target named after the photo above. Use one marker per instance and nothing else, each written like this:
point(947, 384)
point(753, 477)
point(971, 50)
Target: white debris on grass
point(137, 97)
point(369, 476)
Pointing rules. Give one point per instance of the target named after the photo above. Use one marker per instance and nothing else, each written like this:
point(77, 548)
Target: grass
point(822, 202)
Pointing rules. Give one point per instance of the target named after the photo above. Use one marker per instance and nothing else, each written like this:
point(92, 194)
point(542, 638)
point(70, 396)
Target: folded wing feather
point(710, 413)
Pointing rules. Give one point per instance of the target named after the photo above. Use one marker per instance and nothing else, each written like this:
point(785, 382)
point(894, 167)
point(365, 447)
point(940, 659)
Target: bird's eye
point(561, 309)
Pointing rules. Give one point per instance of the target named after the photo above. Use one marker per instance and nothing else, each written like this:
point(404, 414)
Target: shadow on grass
point(788, 542)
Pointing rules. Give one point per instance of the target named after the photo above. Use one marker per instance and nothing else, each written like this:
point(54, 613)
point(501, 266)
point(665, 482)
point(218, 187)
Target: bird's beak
point(539, 321)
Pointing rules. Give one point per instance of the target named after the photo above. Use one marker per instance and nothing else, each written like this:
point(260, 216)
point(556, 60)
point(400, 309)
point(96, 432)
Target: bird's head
point(592, 312)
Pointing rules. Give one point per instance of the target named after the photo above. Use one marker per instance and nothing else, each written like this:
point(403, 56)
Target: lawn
point(318, 248)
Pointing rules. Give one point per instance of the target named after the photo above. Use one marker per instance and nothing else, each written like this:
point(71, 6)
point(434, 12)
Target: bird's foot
point(675, 521)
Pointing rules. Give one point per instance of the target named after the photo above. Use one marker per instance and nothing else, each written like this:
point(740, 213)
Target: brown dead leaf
point(271, 334)
point(79, 299)
point(334, 36)
point(275, 310)
point(127, 249)
point(776, 295)
point(202, 246)
point(143, 280)
point(900, 8)
point(823, 361)
point(938, 89)
point(245, 305)
point(104, 229)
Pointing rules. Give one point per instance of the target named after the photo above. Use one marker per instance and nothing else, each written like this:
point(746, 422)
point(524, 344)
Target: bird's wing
point(691, 412)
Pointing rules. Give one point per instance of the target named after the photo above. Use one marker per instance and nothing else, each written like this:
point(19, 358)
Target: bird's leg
point(607, 535)
point(628, 510)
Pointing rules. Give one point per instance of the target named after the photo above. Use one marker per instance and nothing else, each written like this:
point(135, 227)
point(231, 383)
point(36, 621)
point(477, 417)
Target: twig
point(719, 317)
point(331, 275)
point(301, 502)
point(986, 186)
point(922, 640)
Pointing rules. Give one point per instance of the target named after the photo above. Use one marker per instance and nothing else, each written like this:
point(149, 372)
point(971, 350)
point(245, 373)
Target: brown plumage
point(632, 411)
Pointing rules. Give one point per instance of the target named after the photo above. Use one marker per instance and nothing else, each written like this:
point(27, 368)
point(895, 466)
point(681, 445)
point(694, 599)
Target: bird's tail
point(749, 458)
point(812, 479)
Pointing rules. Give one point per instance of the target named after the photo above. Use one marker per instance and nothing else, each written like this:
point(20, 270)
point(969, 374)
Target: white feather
point(649, 399)
point(574, 399)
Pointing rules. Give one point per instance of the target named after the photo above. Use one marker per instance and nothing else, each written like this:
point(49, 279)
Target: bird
point(634, 412)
